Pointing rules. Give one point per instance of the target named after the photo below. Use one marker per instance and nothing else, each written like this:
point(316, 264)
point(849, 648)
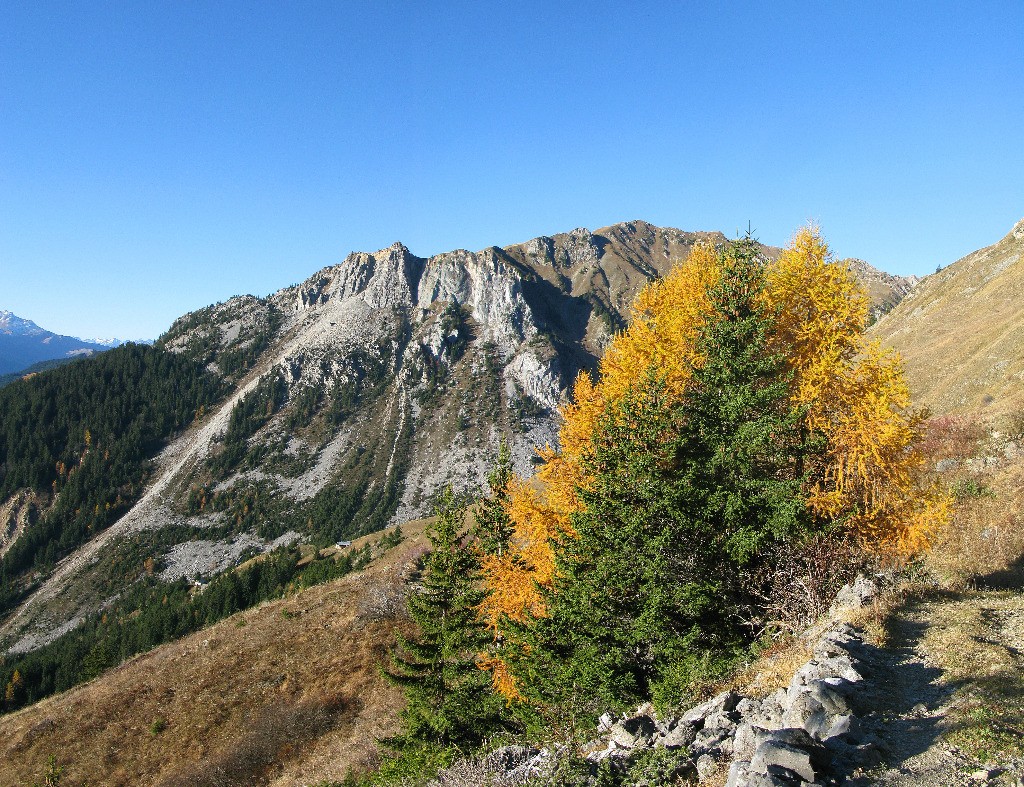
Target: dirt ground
point(950, 692)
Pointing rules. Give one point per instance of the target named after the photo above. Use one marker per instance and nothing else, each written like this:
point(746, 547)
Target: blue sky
point(156, 157)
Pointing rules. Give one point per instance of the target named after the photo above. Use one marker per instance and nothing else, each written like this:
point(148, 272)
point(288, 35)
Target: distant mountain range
point(23, 344)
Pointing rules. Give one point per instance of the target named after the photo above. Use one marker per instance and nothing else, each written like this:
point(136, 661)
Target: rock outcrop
point(809, 733)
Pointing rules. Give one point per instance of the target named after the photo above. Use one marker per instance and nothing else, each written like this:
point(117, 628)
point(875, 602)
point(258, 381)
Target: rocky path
point(949, 693)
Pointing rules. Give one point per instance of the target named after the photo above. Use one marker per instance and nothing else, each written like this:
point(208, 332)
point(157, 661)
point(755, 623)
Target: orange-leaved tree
point(856, 398)
point(851, 400)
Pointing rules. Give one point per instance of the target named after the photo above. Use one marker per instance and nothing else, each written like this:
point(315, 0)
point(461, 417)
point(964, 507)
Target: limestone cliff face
point(437, 358)
point(432, 360)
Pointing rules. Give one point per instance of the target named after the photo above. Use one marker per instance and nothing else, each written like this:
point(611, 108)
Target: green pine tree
point(493, 529)
point(449, 698)
point(645, 594)
point(742, 435)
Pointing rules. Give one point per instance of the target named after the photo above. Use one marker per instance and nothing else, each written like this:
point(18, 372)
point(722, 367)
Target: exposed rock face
point(396, 375)
point(15, 515)
point(885, 290)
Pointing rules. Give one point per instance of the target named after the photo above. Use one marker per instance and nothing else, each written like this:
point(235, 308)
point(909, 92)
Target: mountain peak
point(23, 343)
point(396, 248)
point(12, 324)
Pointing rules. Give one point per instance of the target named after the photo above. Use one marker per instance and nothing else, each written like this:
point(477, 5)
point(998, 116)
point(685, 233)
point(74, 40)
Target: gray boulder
point(680, 736)
point(859, 593)
point(726, 701)
point(633, 732)
point(790, 753)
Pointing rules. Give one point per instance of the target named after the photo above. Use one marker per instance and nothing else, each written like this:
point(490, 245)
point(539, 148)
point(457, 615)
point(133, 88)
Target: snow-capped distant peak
point(103, 342)
point(114, 342)
point(13, 325)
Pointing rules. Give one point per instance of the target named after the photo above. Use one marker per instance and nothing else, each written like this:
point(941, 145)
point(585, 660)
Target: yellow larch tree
point(856, 398)
point(851, 392)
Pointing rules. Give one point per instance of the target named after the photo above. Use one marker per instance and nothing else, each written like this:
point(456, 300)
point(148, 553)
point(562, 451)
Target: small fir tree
point(449, 698)
point(493, 529)
point(742, 435)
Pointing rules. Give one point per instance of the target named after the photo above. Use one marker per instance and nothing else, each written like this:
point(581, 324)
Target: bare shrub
point(953, 437)
point(503, 767)
point(384, 600)
point(797, 583)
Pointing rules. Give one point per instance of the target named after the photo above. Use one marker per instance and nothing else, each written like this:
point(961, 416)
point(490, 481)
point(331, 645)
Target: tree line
point(80, 437)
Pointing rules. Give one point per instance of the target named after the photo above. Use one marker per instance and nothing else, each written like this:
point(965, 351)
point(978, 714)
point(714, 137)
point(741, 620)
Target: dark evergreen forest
point(87, 431)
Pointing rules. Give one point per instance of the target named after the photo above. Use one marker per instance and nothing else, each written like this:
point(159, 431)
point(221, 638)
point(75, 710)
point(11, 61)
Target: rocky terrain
point(884, 289)
point(914, 708)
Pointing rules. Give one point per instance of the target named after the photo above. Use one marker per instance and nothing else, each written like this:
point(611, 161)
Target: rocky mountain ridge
point(358, 394)
point(885, 290)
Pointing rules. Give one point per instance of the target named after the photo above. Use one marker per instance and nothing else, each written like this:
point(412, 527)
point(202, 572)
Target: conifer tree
point(449, 698)
point(493, 529)
point(682, 494)
point(741, 432)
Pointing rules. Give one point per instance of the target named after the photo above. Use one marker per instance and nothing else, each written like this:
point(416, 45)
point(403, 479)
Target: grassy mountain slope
point(961, 332)
point(287, 693)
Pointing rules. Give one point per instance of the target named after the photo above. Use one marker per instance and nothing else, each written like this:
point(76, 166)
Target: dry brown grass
point(961, 333)
point(283, 699)
point(979, 648)
point(773, 669)
point(984, 542)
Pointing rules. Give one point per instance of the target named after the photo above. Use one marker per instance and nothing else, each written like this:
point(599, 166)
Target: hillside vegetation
point(961, 333)
point(78, 439)
point(740, 421)
point(740, 426)
point(287, 693)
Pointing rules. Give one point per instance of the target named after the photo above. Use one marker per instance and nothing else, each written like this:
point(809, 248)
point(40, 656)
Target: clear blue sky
point(159, 156)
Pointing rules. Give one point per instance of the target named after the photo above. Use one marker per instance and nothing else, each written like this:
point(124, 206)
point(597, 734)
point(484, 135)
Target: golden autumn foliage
point(667, 317)
point(851, 393)
point(856, 398)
